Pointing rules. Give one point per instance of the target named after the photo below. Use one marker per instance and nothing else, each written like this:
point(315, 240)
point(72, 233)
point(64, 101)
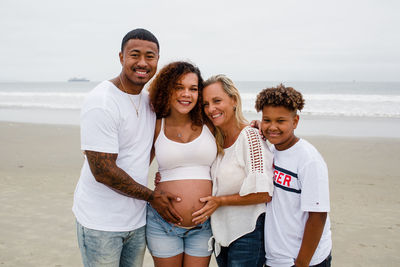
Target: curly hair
point(163, 85)
point(280, 96)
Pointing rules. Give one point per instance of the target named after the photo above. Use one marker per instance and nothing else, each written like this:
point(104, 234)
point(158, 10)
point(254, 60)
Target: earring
point(234, 108)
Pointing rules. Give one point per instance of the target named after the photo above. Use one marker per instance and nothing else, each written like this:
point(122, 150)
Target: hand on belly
point(190, 192)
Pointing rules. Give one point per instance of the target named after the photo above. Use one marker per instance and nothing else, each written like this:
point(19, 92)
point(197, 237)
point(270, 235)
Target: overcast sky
point(280, 40)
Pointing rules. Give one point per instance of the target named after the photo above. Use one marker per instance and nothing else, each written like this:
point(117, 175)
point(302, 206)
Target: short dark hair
point(140, 34)
point(280, 96)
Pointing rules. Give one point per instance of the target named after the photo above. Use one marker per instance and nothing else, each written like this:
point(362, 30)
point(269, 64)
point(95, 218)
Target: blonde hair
point(231, 90)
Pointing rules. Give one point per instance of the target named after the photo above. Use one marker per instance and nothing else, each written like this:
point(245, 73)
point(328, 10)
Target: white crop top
point(183, 161)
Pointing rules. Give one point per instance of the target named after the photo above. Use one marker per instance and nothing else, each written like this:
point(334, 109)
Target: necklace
point(140, 97)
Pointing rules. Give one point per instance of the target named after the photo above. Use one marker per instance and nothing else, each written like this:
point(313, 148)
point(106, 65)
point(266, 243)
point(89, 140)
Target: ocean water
point(355, 99)
point(328, 104)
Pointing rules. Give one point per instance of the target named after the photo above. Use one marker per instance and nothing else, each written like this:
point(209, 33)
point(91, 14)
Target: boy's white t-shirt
point(109, 124)
point(301, 186)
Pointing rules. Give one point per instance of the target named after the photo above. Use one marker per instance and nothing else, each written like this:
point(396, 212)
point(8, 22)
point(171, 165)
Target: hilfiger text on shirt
point(286, 180)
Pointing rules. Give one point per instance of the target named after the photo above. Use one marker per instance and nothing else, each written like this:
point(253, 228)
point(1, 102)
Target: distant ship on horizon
point(76, 79)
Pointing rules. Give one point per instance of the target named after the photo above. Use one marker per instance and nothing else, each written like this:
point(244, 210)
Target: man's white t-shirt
point(301, 186)
point(109, 124)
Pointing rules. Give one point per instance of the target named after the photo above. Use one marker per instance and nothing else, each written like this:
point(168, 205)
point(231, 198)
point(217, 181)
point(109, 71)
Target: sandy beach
point(40, 166)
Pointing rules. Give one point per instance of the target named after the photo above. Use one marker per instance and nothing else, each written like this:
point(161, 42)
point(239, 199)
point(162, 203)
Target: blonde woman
point(242, 179)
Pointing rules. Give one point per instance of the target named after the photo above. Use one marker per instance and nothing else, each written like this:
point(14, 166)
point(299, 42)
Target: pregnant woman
point(185, 148)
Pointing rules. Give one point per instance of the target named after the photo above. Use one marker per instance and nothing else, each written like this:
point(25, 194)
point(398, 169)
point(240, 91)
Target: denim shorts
point(166, 240)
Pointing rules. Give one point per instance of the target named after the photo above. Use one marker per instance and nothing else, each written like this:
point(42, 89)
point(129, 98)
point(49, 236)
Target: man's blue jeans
point(111, 249)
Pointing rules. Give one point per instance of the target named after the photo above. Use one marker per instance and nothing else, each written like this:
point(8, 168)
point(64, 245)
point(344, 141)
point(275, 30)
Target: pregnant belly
point(190, 192)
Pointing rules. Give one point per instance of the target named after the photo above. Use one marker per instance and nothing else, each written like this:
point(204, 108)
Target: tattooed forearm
point(106, 171)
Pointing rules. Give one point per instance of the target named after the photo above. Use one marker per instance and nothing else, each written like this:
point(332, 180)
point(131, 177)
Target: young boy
point(297, 226)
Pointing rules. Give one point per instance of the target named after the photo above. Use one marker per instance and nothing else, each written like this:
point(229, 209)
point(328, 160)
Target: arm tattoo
point(106, 171)
point(151, 197)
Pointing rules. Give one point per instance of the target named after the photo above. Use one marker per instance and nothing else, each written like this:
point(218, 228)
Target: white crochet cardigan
point(246, 167)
